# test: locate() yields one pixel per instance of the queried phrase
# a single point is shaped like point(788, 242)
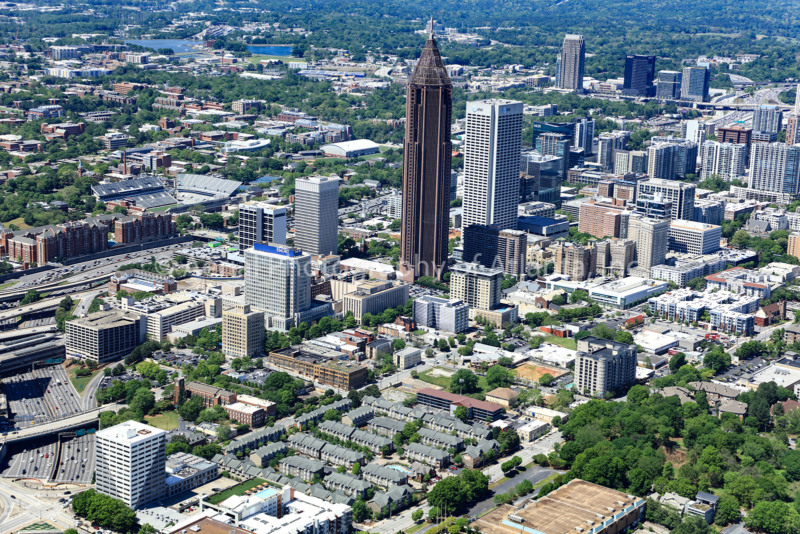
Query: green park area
point(164, 421)
point(80, 382)
point(238, 489)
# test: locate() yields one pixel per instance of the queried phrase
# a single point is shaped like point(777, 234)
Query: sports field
point(535, 372)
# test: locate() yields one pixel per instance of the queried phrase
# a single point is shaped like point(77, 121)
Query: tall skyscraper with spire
point(426, 167)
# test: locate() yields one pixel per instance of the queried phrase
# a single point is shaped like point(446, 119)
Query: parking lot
point(746, 366)
point(40, 396)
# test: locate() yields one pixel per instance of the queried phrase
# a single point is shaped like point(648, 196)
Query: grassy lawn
point(8, 284)
point(164, 421)
point(238, 489)
point(444, 381)
point(416, 527)
point(163, 208)
point(567, 343)
point(80, 381)
point(19, 221)
point(545, 481)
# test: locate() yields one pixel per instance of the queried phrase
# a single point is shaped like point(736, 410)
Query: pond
point(271, 50)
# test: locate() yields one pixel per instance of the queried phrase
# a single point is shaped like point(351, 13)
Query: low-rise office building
point(105, 335)
point(187, 471)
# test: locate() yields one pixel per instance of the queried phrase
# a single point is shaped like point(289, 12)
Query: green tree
point(356, 468)
point(498, 377)
point(677, 361)
point(624, 337)
point(638, 394)
point(416, 515)
point(546, 379)
point(462, 413)
point(469, 384)
point(727, 511)
point(398, 344)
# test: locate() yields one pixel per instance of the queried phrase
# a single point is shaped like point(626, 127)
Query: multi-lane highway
point(40, 396)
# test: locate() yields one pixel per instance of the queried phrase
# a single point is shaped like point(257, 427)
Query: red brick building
point(63, 130)
point(143, 227)
point(771, 313)
point(211, 395)
point(246, 414)
point(43, 244)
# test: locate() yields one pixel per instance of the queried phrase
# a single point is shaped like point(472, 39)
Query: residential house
point(715, 392)
point(304, 468)
point(307, 445)
point(372, 441)
point(427, 455)
point(303, 420)
point(348, 484)
point(475, 455)
point(336, 455)
point(255, 439)
point(383, 476)
point(358, 417)
point(386, 426)
point(389, 502)
point(440, 439)
point(265, 453)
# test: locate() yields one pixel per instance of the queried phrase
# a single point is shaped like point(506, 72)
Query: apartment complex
point(576, 261)
point(775, 167)
point(442, 314)
point(680, 194)
point(260, 222)
point(476, 285)
point(316, 215)
point(105, 335)
point(651, 237)
point(602, 366)
point(491, 163)
point(130, 464)
point(615, 257)
point(767, 119)
point(726, 160)
point(242, 332)
point(496, 247)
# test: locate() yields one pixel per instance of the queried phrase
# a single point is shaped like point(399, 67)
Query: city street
point(399, 522)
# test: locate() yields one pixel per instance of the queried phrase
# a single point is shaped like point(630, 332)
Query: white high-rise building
point(694, 237)
point(634, 161)
point(660, 158)
point(316, 214)
point(607, 145)
point(767, 119)
point(570, 69)
point(694, 131)
point(681, 194)
point(260, 222)
point(584, 135)
point(131, 460)
point(725, 160)
point(651, 237)
point(491, 163)
point(775, 167)
point(277, 281)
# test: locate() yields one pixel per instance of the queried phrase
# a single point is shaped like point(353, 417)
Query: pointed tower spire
point(430, 68)
point(430, 35)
